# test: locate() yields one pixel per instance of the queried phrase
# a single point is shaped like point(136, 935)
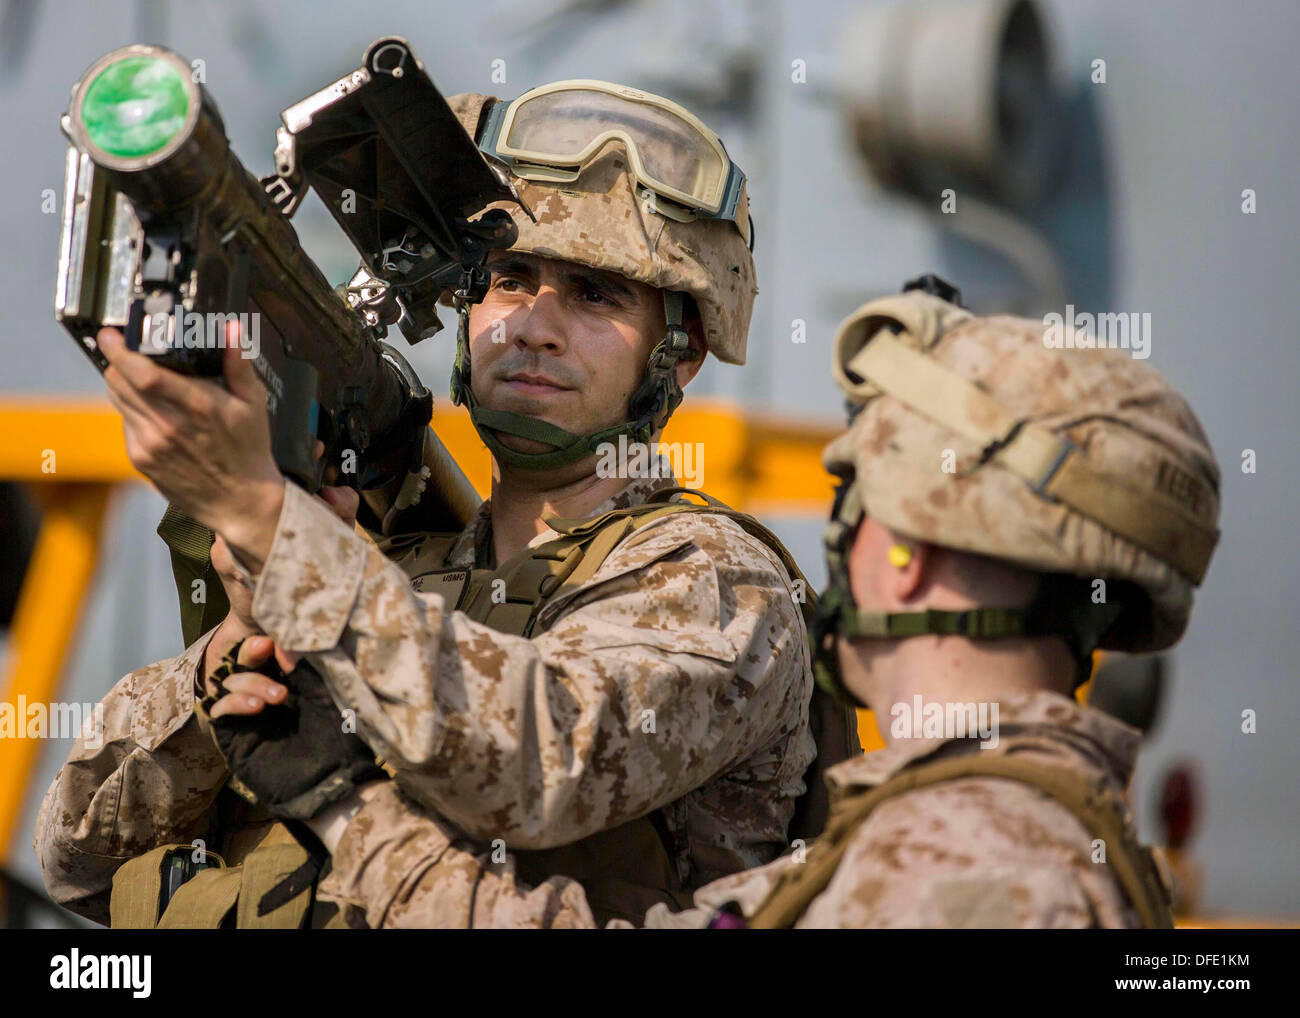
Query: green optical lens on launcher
point(135, 106)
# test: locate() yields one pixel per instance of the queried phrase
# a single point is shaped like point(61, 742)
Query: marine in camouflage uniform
point(538, 742)
point(1067, 467)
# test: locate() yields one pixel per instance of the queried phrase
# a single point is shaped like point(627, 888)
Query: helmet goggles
point(550, 133)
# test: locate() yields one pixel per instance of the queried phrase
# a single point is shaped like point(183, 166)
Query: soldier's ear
point(909, 567)
point(689, 366)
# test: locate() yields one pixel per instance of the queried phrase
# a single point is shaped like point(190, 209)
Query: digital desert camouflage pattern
point(1125, 419)
point(159, 779)
point(530, 742)
point(153, 779)
point(599, 221)
point(398, 867)
point(973, 852)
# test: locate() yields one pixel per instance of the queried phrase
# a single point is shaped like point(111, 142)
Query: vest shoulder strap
point(808, 598)
point(1093, 802)
point(658, 507)
point(537, 576)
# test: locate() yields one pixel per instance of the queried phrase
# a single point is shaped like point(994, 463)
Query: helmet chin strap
point(1062, 607)
point(649, 407)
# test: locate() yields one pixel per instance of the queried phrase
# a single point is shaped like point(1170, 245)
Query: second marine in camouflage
point(1077, 509)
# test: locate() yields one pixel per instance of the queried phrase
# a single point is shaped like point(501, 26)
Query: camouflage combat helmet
point(602, 215)
point(971, 433)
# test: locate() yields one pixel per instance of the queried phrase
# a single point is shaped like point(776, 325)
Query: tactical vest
point(1092, 801)
point(624, 870)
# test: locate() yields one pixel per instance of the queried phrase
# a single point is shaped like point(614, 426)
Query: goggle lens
point(568, 126)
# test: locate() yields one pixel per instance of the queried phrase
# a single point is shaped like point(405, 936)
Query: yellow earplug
point(899, 556)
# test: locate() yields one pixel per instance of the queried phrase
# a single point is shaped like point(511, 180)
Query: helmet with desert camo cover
point(972, 433)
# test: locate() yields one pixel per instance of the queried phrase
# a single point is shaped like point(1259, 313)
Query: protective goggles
point(552, 132)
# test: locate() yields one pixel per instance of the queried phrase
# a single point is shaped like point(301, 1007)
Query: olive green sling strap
point(202, 598)
point(1092, 802)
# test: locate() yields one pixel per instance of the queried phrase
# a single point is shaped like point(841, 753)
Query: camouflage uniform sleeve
point(401, 866)
point(975, 853)
point(683, 655)
point(747, 889)
point(144, 775)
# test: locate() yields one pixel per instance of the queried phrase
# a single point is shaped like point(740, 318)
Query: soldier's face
point(561, 342)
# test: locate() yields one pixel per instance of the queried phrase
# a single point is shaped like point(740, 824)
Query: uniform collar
point(1040, 713)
